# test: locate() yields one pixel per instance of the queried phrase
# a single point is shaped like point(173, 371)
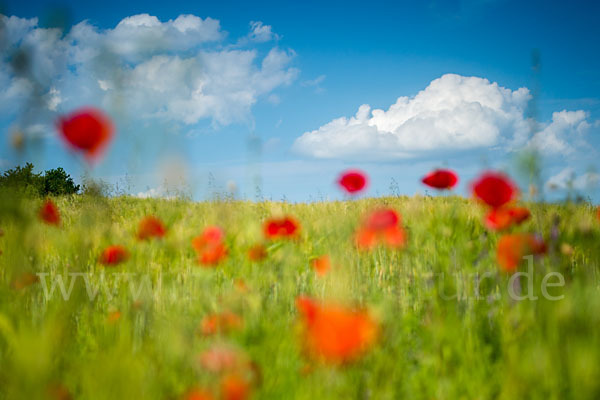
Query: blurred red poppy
point(598, 214)
point(381, 226)
point(235, 387)
point(335, 334)
point(285, 227)
point(58, 391)
point(441, 179)
point(353, 181)
point(504, 217)
point(24, 280)
point(210, 246)
point(87, 130)
point(366, 238)
point(222, 358)
point(114, 255)
point(114, 316)
point(394, 237)
point(151, 227)
point(197, 394)
point(49, 213)
point(220, 323)
point(494, 189)
point(321, 264)
point(382, 219)
point(258, 252)
point(240, 285)
point(512, 248)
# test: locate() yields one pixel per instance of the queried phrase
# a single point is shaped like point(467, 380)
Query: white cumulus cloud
point(452, 113)
point(564, 134)
point(179, 70)
point(567, 178)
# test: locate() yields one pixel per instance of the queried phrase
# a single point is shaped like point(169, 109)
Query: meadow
point(451, 323)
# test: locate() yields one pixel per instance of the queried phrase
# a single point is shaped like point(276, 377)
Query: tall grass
point(440, 339)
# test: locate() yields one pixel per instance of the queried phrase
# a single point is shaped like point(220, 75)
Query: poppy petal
point(87, 130)
point(114, 255)
point(49, 213)
point(441, 179)
point(494, 189)
point(512, 248)
point(353, 181)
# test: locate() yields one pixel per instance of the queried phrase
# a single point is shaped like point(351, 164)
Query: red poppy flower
point(240, 285)
point(197, 394)
point(353, 181)
point(503, 218)
point(220, 323)
point(235, 387)
point(321, 264)
point(335, 334)
point(393, 237)
point(366, 238)
point(512, 248)
point(598, 214)
point(114, 317)
point(285, 227)
point(381, 226)
point(382, 219)
point(58, 391)
point(257, 252)
point(151, 227)
point(441, 179)
point(114, 255)
point(87, 130)
point(494, 189)
point(24, 280)
point(210, 246)
point(49, 213)
point(222, 358)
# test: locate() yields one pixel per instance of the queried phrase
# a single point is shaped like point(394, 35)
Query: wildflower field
point(382, 298)
point(437, 233)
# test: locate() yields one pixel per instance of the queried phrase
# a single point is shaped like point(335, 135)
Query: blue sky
point(278, 77)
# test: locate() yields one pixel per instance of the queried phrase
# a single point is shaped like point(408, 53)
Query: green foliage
point(52, 182)
point(441, 338)
point(58, 182)
point(24, 179)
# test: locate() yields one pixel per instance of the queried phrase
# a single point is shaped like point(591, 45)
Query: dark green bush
point(52, 182)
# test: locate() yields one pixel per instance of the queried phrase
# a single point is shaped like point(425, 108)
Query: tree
point(52, 182)
point(57, 182)
point(23, 178)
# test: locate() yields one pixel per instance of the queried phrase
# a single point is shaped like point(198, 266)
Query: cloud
point(140, 36)
point(564, 134)
point(261, 33)
point(152, 193)
point(567, 179)
point(221, 85)
point(53, 99)
point(144, 33)
point(452, 113)
point(315, 83)
point(178, 71)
